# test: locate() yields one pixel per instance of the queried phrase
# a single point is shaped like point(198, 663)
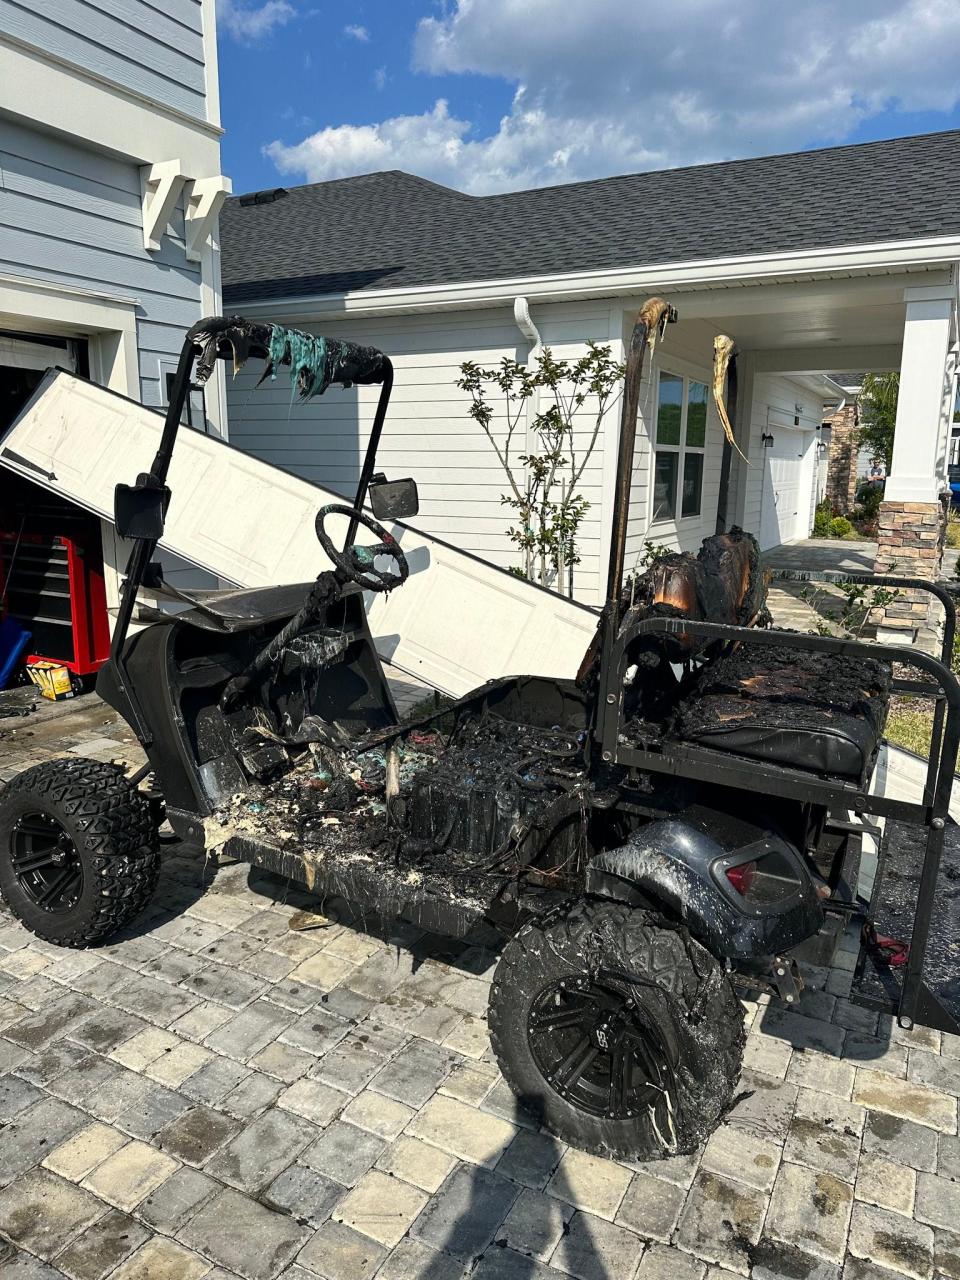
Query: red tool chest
point(51, 577)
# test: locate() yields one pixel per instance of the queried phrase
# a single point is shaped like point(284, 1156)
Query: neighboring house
point(839, 259)
point(110, 191)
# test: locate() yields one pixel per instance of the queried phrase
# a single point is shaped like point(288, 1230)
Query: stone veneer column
point(913, 517)
point(841, 487)
point(911, 538)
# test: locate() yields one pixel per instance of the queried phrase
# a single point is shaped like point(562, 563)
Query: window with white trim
point(680, 438)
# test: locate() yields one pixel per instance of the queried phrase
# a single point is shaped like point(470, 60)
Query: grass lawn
point(910, 728)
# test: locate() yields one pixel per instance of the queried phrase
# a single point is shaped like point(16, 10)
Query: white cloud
point(380, 77)
point(603, 87)
point(248, 22)
point(347, 149)
point(356, 32)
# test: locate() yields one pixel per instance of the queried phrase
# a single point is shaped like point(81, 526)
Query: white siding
point(429, 434)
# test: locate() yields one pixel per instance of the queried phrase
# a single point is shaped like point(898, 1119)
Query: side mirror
point(138, 512)
point(393, 499)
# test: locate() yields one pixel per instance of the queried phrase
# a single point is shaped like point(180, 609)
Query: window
point(195, 405)
point(681, 438)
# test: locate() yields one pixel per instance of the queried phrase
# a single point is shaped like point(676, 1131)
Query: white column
point(946, 416)
point(915, 473)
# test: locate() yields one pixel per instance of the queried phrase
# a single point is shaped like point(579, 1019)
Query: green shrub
point(868, 501)
point(839, 527)
point(953, 530)
point(821, 520)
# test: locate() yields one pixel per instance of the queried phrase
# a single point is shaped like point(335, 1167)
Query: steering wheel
point(356, 563)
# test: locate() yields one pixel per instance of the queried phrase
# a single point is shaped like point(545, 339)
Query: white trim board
point(885, 256)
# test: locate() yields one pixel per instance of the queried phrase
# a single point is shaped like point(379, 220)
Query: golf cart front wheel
point(78, 850)
point(617, 1030)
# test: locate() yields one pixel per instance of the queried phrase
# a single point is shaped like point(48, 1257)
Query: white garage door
point(785, 511)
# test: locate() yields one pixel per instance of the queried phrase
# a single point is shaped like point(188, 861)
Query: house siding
point(153, 50)
point(429, 433)
point(72, 216)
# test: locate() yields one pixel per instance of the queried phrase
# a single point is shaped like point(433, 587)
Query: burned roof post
point(725, 368)
point(655, 315)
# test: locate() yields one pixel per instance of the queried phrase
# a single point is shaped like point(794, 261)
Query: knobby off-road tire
point(99, 841)
point(638, 1008)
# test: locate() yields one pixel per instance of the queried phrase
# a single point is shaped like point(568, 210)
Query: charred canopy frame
point(236, 339)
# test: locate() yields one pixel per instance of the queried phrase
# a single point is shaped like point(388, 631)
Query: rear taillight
point(741, 877)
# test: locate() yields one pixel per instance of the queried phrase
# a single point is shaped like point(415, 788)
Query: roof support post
point(913, 515)
point(917, 468)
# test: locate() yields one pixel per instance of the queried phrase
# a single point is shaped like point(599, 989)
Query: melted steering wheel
point(356, 563)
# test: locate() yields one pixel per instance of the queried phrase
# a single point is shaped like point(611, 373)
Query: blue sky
point(489, 95)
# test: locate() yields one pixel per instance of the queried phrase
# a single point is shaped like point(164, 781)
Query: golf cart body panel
point(180, 664)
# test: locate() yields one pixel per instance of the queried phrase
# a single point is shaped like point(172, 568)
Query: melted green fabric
point(308, 359)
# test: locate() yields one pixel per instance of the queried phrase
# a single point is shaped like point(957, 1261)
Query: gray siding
point(73, 216)
point(153, 50)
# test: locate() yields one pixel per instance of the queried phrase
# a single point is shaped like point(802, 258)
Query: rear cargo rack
point(917, 833)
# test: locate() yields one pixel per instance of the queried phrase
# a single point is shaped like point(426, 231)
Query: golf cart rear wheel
point(617, 1030)
point(78, 850)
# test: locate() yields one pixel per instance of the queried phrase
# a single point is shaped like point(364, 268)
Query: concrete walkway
point(241, 1087)
point(807, 606)
point(822, 555)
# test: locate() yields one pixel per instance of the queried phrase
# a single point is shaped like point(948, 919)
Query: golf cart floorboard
point(449, 899)
point(877, 984)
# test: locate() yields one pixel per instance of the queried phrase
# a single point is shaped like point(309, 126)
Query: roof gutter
point(674, 276)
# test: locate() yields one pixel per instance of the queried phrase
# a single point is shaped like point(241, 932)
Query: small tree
point(878, 415)
point(544, 495)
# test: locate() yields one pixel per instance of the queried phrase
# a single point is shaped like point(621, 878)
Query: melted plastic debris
point(457, 801)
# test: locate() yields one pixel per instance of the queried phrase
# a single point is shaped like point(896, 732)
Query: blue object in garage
point(14, 638)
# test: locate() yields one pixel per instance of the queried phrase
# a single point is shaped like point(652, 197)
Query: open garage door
point(456, 623)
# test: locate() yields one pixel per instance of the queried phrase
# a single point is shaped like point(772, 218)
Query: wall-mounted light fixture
point(766, 440)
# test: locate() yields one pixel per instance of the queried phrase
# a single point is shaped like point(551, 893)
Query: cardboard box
point(51, 679)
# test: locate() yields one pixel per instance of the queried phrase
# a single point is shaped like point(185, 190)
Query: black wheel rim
point(46, 863)
point(596, 1048)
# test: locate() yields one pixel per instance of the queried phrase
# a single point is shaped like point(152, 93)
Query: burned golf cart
point(687, 813)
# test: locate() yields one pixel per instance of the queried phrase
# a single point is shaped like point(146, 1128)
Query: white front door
point(785, 510)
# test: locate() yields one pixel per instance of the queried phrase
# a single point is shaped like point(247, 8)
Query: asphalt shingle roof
point(393, 229)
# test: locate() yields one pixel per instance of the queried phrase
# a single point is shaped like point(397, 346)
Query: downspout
point(521, 315)
point(524, 322)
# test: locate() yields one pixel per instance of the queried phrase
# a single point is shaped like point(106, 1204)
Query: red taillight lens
point(741, 877)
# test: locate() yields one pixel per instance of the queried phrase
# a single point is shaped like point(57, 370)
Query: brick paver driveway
point(241, 1087)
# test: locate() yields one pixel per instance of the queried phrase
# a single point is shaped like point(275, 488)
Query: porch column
point(912, 517)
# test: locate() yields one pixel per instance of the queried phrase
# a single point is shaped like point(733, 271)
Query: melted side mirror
point(139, 512)
point(393, 499)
